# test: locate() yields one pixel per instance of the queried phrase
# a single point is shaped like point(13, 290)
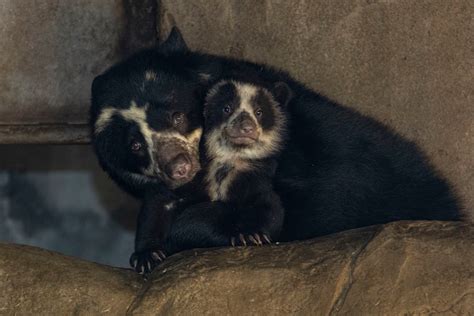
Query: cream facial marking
point(246, 92)
point(138, 115)
point(135, 114)
point(269, 141)
point(227, 161)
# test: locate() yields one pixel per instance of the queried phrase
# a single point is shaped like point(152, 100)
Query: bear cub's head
point(244, 120)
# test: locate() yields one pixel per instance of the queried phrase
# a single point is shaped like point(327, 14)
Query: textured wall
point(51, 51)
point(408, 63)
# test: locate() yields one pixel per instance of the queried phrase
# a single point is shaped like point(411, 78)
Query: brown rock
point(34, 281)
point(404, 268)
point(408, 63)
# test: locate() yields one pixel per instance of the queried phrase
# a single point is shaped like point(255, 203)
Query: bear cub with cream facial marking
point(245, 128)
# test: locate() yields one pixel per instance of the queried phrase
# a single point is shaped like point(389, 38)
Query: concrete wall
point(50, 52)
point(409, 63)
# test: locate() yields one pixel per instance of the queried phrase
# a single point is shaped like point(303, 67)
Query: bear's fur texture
point(338, 170)
point(244, 131)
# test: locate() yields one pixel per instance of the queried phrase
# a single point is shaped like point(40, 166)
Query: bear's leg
point(199, 226)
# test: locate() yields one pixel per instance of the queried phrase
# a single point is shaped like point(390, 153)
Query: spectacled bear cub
point(337, 170)
point(245, 127)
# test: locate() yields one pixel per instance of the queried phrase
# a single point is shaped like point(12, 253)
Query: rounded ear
point(282, 93)
point(174, 43)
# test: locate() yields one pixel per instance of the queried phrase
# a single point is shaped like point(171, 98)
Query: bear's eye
point(136, 146)
point(227, 109)
point(178, 118)
point(259, 112)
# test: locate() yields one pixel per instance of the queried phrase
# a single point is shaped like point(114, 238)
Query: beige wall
point(409, 63)
point(50, 52)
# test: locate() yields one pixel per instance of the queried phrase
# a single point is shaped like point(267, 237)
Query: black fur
point(339, 170)
point(171, 92)
point(235, 174)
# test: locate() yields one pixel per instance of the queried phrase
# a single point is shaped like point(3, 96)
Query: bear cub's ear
point(282, 93)
point(174, 43)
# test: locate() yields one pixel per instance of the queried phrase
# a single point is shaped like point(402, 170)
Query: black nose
point(180, 167)
point(243, 130)
point(247, 126)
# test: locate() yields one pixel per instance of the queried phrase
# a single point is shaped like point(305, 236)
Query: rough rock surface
point(408, 63)
point(405, 268)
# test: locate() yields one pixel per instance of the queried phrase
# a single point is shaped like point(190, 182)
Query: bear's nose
point(247, 126)
point(180, 167)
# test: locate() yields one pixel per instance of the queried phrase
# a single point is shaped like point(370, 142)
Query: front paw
point(145, 261)
point(257, 239)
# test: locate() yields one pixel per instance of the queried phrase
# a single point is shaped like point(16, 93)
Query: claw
point(232, 241)
point(259, 240)
point(134, 263)
point(267, 239)
point(148, 265)
point(163, 255)
point(242, 239)
point(158, 255)
point(142, 270)
point(252, 239)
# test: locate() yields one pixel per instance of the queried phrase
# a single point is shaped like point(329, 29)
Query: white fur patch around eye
point(138, 115)
point(225, 155)
point(133, 114)
point(246, 92)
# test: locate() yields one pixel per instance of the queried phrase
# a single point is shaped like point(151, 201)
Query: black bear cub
point(245, 126)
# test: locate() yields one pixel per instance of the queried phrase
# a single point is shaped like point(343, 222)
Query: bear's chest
point(220, 177)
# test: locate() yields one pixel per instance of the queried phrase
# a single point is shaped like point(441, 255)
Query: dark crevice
point(139, 297)
point(352, 265)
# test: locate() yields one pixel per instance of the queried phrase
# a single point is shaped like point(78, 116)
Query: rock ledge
point(399, 268)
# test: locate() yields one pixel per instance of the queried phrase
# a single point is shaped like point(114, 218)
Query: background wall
point(50, 52)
